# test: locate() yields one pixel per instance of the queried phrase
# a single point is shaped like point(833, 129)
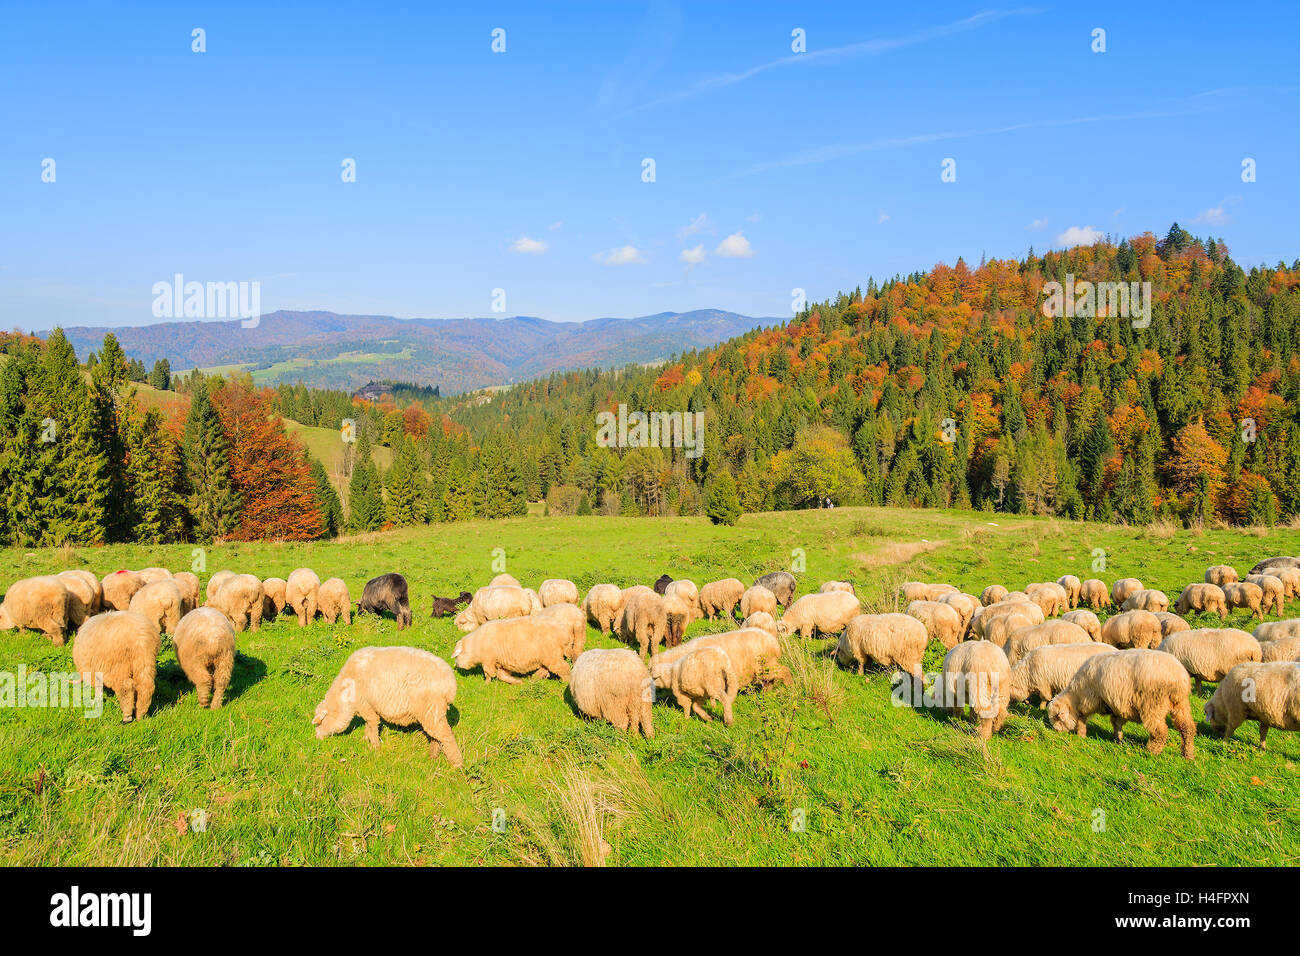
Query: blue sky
point(522, 170)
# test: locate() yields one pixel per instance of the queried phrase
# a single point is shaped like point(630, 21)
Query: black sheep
point(662, 584)
point(387, 592)
point(442, 606)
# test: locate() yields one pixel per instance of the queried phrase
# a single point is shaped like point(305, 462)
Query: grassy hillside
point(877, 784)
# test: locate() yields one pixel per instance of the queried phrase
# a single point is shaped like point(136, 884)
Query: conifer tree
point(365, 494)
point(213, 504)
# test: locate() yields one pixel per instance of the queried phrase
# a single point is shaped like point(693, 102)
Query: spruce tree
point(214, 505)
point(331, 509)
point(724, 502)
point(365, 495)
point(406, 486)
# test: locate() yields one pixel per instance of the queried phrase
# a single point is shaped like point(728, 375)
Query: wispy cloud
point(529, 247)
point(1217, 215)
point(833, 54)
point(622, 256)
point(698, 224)
point(1038, 224)
point(825, 154)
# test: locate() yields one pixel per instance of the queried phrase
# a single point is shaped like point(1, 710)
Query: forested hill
point(1193, 416)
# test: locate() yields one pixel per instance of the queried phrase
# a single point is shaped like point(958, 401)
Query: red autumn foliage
point(269, 469)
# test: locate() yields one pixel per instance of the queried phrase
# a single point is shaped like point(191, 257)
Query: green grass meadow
point(825, 772)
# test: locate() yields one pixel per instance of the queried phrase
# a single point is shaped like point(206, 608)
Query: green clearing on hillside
point(876, 784)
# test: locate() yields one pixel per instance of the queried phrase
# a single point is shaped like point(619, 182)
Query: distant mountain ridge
point(329, 350)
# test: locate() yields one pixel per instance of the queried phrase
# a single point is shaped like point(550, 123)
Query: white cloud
point(1078, 236)
point(753, 217)
point(556, 225)
point(529, 247)
point(1038, 223)
point(735, 246)
point(622, 256)
point(1118, 212)
point(693, 257)
point(698, 224)
point(1217, 215)
point(882, 218)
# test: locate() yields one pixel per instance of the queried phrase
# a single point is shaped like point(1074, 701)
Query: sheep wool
point(398, 685)
point(1208, 653)
point(1267, 693)
point(37, 604)
point(614, 685)
point(119, 650)
point(205, 648)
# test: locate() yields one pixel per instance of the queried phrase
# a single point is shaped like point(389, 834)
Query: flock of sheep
point(1044, 641)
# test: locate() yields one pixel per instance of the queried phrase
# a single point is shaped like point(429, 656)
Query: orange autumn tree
point(268, 468)
point(1198, 463)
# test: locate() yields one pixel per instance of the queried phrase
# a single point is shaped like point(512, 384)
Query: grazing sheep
point(603, 604)
point(1121, 589)
point(387, 593)
point(837, 586)
point(757, 598)
point(1290, 578)
point(1207, 598)
point(188, 582)
point(1148, 599)
point(205, 648)
point(399, 685)
point(688, 592)
point(275, 598)
point(921, 591)
point(754, 653)
point(1274, 591)
point(889, 640)
point(761, 620)
point(1071, 585)
point(516, 646)
point(85, 595)
point(1047, 670)
point(240, 599)
point(1094, 593)
point(643, 621)
point(1247, 595)
point(999, 630)
point(1268, 693)
point(215, 582)
point(661, 583)
point(504, 580)
point(118, 588)
point(719, 598)
point(1221, 574)
point(37, 604)
point(703, 676)
point(495, 603)
point(1139, 685)
point(964, 604)
point(1049, 596)
point(119, 650)
point(780, 583)
point(677, 614)
point(1140, 629)
point(1171, 624)
point(814, 614)
point(335, 602)
point(1210, 652)
point(1275, 630)
point(614, 685)
point(993, 594)
point(1279, 562)
point(570, 617)
point(150, 575)
point(302, 593)
point(942, 621)
point(1282, 649)
point(985, 616)
point(557, 591)
point(1086, 620)
point(982, 670)
point(161, 603)
point(1016, 597)
point(1025, 639)
point(442, 606)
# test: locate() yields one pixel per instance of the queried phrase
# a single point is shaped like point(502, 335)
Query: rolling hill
point(327, 350)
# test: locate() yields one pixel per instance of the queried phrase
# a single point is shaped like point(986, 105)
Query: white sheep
point(205, 649)
point(1208, 653)
point(37, 604)
point(1139, 685)
point(1047, 670)
point(888, 640)
point(1268, 693)
point(702, 676)
point(1086, 620)
point(814, 614)
point(942, 621)
point(1121, 589)
point(1273, 630)
point(399, 685)
point(757, 598)
point(119, 650)
point(557, 591)
point(516, 646)
point(976, 674)
point(614, 685)
point(1025, 639)
point(603, 604)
